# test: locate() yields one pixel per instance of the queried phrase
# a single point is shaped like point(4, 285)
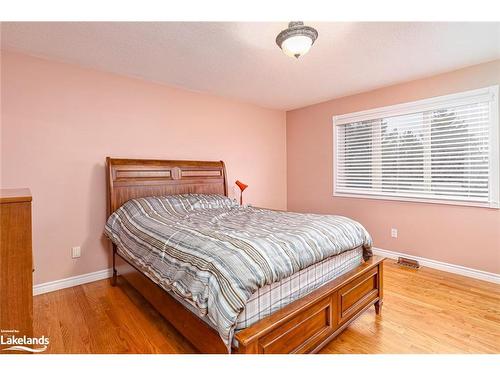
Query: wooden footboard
point(305, 326)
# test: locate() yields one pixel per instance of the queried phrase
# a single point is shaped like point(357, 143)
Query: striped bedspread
point(219, 253)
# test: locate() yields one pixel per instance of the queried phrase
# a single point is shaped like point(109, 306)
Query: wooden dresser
point(16, 264)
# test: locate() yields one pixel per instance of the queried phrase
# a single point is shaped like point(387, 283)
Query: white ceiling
point(241, 60)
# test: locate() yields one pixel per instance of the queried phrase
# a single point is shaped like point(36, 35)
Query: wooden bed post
point(109, 210)
point(115, 274)
point(380, 302)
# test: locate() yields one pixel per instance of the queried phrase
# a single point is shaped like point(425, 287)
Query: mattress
point(271, 298)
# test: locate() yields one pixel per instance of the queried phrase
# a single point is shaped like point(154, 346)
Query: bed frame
point(304, 326)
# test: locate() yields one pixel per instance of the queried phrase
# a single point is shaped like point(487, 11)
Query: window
point(441, 150)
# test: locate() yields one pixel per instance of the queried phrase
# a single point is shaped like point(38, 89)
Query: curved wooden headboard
point(136, 178)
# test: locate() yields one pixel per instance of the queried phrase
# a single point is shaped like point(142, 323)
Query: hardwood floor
point(453, 314)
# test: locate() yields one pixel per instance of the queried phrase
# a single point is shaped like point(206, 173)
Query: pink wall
point(60, 121)
point(455, 234)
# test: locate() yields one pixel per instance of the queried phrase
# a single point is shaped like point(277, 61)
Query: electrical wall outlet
point(394, 233)
point(76, 252)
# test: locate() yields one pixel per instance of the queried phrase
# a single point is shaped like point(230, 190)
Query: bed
point(232, 278)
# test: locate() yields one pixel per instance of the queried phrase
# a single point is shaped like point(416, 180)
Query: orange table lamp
point(242, 187)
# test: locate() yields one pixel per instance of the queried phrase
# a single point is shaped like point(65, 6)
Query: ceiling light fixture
point(297, 39)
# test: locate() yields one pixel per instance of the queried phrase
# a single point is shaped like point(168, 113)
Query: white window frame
point(461, 98)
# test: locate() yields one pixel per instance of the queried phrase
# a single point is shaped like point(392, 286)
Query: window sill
point(418, 200)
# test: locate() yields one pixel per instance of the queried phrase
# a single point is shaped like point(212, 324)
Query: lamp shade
point(297, 39)
point(241, 185)
point(296, 46)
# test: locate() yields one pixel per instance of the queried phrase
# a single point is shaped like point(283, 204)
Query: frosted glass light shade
point(297, 46)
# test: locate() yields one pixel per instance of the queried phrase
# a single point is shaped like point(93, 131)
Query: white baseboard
point(452, 268)
point(72, 281)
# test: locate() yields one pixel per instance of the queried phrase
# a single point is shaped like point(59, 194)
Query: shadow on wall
point(96, 243)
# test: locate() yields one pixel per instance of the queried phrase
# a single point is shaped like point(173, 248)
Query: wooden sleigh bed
point(304, 326)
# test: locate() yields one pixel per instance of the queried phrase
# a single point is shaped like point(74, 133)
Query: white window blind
point(442, 149)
